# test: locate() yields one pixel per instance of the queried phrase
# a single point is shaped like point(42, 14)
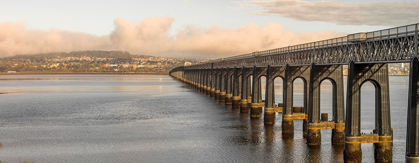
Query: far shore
point(99, 73)
point(81, 73)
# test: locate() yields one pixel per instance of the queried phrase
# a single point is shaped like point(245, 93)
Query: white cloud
point(152, 36)
point(377, 13)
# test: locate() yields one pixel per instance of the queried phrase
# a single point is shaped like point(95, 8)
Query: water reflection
point(270, 146)
point(337, 153)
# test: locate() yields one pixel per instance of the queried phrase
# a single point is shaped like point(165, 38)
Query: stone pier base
point(269, 116)
point(338, 134)
point(314, 137)
point(383, 151)
point(217, 94)
point(208, 91)
point(236, 102)
point(412, 159)
point(203, 89)
point(352, 151)
point(229, 99)
point(222, 96)
point(287, 126)
point(244, 107)
point(212, 94)
point(256, 111)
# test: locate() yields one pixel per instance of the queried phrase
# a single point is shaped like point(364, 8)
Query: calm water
point(152, 118)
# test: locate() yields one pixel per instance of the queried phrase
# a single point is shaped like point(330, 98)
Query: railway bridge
point(237, 81)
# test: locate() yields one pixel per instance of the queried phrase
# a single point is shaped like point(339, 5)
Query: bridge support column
point(256, 110)
point(383, 144)
point(229, 99)
point(213, 80)
point(245, 103)
point(206, 77)
point(287, 125)
point(209, 81)
point(412, 138)
point(352, 151)
point(222, 96)
point(271, 74)
point(222, 85)
point(314, 137)
point(214, 77)
point(256, 107)
point(338, 134)
point(205, 84)
point(217, 84)
point(319, 73)
point(245, 93)
point(229, 95)
point(208, 92)
point(236, 88)
point(244, 106)
point(217, 94)
point(201, 81)
point(292, 73)
point(269, 116)
point(236, 102)
point(203, 89)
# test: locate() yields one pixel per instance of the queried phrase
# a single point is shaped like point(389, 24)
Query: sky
point(196, 28)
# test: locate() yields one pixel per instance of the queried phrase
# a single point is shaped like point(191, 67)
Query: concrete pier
point(338, 134)
point(244, 106)
point(212, 94)
point(291, 74)
point(246, 90)
point(269, 116)
point(222, 96)
point(287, 125)
point(217, 94)
point(412, 136)
point(383, 135)
point(271, 74)
point(229, 99)
point(236, 102)
point(318, 120)
point(256, 110)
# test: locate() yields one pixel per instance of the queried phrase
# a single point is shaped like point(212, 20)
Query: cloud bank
point(152, 36)
point(379, 13)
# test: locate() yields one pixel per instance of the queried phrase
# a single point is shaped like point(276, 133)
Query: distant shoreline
point(101, 73)
point(81, 73)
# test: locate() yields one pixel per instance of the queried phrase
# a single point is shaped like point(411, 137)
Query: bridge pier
point(210, 80)
point(206, 82)
point(382, 136)
point(412, 136)
point(201, 81)
point(217, 84)
point(201, 87)
point(245, 103)
point(213, 80)
point(236, 88)
point(292, 73)
point(256, 107)
point(228, 84)
point(222, 85)
point(318, 74)
point(271, 74)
